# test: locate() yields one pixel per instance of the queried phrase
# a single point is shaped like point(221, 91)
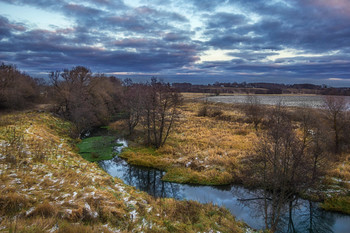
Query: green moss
point(98, 148)
point(337, 204)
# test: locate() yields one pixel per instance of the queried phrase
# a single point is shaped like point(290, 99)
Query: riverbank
point(209, 150)
point(47, 187)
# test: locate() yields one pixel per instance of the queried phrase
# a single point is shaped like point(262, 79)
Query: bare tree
point(279, 165)
point(335, 108)
point(133, 104)
point(71, 89)
point(254, 110)
point(83, 98)
point(314, 140)
point(161, 111)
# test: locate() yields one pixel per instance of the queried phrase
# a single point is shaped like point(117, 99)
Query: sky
point(198, 41)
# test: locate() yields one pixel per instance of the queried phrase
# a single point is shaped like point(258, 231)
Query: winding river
point(297, 216)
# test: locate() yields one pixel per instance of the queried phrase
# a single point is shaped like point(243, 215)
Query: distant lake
point(313, 101)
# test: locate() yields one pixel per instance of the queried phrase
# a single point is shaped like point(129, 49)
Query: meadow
point(201, 149)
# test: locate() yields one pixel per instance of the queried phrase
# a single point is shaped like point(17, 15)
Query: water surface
point(313, 101)
point(300, 216)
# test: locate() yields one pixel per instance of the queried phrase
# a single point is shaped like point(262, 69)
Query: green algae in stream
point(98, 148)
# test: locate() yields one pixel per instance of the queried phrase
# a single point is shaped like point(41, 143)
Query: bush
point(203, 111)
point(217, 113)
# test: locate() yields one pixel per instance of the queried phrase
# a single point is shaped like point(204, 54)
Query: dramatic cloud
point(193, 40)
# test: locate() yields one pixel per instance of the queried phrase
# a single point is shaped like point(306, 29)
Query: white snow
point(133, 215)
point(53, 229)
point(48, 175)
point(30, 211)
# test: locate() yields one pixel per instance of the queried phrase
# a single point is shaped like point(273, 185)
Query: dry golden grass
point(44, 210)
point(28, 225)
point(204, 150)
point(194, 96)
point(45, 186)
point(12, 203)
point(341, 169)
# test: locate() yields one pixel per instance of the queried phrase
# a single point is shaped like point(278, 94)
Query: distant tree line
point(89, 100)
point(261, 88)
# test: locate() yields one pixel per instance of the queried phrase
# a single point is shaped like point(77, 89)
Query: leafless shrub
point(17, 90)
point(203, 111)
point(254, 111)
point(217, 113)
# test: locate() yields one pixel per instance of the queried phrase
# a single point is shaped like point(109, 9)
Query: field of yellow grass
point(45, 186)
point(201, 150)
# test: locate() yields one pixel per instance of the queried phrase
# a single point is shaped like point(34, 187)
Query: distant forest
point(262, 88)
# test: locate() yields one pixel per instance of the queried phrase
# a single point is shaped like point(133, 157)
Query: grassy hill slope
point(45, 186)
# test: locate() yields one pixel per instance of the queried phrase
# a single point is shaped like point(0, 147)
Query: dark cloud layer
point(266, 40)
